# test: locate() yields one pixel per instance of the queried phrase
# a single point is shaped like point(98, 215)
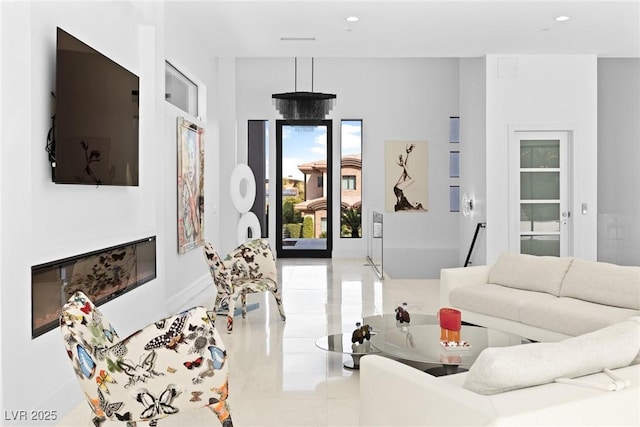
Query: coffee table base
point(443, 370)
point(354, 363)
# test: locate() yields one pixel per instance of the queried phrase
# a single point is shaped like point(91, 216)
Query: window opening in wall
point(349, 182)
point(180, 90)
point(454, 129)
point(454, 164)
point(454, 198)
point(351, 173)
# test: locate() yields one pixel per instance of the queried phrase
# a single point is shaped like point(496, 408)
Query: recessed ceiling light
point(352, 19)
point(562, 18)
point(297, 39)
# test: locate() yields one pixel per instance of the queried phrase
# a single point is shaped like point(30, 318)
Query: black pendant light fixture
point(303, 105)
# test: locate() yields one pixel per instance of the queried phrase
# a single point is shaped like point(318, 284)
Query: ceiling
point(418, 28)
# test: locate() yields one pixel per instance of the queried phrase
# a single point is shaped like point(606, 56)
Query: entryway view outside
point(306, 185)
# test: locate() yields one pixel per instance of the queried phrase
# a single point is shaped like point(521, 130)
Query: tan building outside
point(315, 204)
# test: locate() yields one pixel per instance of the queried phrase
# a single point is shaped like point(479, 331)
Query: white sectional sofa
point(393, 394)
point(584, 312)
point(534, 384)
point(542, 298)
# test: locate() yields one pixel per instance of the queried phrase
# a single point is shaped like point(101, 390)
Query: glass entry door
point(539, 177)
point(303, 188)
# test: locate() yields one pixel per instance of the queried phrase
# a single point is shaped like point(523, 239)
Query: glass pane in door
point(539, 154)
point(539, 185)
point(305, 186)
point(547, 245)
point(540, 216)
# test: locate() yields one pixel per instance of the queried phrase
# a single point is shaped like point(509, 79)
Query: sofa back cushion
point(603, 283)
point(530, 272)
point(500, 369)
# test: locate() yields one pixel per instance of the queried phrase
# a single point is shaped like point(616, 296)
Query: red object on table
point(450, 324)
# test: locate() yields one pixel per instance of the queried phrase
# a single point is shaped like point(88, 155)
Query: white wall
point(187, 274)
point(618, 160)
point(46, 222)
point(230, 154)
point(473, 157)
point(3, 38)
point(547, 92)
point(404, 99)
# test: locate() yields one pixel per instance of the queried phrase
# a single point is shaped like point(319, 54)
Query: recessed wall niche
point(102, 275)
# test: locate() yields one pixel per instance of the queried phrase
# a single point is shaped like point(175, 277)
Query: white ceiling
point(418, 28)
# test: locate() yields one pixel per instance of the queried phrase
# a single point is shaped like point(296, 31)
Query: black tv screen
point(96, 117)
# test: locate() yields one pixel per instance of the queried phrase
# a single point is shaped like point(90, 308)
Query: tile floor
point(277, 375)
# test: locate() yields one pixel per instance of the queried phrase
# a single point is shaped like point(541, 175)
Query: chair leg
point(221, 409)
point(98, 421)
point(278, 298)
point(243, 299)
point(232, 309)
point(216, 305)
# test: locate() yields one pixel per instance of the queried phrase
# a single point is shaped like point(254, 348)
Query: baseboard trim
point(185, 298)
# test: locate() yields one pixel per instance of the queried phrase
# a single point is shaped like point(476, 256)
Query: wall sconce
point(467, 205)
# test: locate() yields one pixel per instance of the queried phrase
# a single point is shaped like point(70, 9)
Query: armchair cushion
point(252, 261)
point(175, 364)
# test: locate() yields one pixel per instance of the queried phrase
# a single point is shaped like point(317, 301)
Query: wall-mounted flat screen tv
point(96, 117)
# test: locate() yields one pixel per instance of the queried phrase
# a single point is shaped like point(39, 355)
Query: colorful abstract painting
point(190, 186)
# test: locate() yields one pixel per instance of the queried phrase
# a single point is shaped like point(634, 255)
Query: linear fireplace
point(102, 275)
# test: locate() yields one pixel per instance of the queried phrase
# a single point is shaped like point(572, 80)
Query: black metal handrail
point(473, 242)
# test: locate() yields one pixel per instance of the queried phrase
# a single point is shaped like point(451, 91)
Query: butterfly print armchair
point(173, 365)
point(249, 268)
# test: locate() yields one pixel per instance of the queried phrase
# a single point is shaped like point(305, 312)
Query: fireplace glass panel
point(102, 275)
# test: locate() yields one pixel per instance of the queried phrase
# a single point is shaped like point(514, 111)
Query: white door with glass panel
point(539, 188)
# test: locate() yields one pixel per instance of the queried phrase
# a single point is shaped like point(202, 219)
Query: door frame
point(304, 253)
point(565, 136)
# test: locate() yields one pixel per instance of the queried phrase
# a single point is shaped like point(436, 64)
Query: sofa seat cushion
point(495, 300)
point(530, 272)
point(500, 369)
point(603, 283)
point(571, 316)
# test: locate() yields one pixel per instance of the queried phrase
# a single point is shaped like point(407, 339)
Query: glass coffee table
point(341, 343)
point(385, 322)
point(421, 343)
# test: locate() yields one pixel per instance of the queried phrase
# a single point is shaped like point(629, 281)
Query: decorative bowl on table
point(455, 345)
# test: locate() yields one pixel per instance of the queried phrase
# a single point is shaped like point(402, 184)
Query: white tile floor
point(277, 375)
